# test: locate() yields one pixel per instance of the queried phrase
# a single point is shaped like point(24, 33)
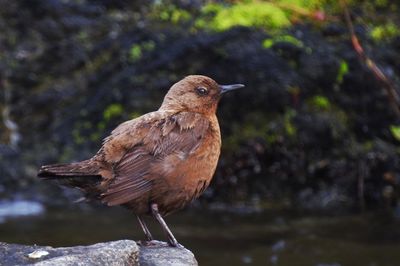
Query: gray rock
point(161, 254)
point(122, 252)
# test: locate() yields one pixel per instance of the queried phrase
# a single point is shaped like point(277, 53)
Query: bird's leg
point(144, 228)
point(171, 239)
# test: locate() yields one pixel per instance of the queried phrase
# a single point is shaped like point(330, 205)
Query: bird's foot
point(152, 243)
point(158, 244)
point(175, 245)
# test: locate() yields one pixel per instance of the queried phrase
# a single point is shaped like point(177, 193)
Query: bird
point(159, 162)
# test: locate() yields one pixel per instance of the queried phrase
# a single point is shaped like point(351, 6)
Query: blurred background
point(309, 171)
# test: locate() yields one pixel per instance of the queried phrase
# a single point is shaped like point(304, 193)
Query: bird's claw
point(158, 244)
point(175, 245)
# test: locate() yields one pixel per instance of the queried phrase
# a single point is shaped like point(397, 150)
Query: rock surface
point(122, 252)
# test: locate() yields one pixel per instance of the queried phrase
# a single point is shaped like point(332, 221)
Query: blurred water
point(221, 238)
point(17, 208)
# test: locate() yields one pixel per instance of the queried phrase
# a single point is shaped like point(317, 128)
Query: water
point(221, 238)
point(19, 208)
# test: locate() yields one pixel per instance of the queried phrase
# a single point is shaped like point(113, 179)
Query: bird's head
point(196, 93)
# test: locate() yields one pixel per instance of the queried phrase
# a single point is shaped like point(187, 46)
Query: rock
point(122, 252)
point(164, 255)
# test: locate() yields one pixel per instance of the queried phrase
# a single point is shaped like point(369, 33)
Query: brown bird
point(157, 163)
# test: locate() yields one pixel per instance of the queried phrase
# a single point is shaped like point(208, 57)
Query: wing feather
point(138, 168)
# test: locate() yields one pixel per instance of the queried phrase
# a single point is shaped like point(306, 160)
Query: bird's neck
point(172, 106)
point(178, 107)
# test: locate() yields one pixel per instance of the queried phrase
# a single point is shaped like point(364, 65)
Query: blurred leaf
point(172, 13)
point(290, 128)
point(383, 32)
point(395, 130)
point(112, 111)
point(343, 70)
point(268, 43)
point(320, 102)
point(137, 50)
point(135, 53)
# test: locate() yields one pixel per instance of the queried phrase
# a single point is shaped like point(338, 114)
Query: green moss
point(248, 14)
point(270, 15)
point(343, 70)
point(320, 102)
point(112, 110)
point(135, 53)
point(171, 13)
point(212, 8)
point(268, 43)
point(395, 130)
point(137, 50)
point(305, 4)
point(384, 32)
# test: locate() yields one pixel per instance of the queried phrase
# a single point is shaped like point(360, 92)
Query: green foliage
point(269, 15)
point(248, 14)
point(268, 43)
point(171, 13)
point(135, 53)
point(384, 32)
point(290, 128)
point(137, 50)
point(306, 4)
point(212, 8)
point(320, 102)
point(343, 70)
point(395, 130)
point(112, 110)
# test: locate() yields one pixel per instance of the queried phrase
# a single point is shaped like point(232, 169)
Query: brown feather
point(84, 168)
point(177, 136)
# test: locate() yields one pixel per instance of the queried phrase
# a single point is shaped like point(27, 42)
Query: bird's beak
point(226, 88)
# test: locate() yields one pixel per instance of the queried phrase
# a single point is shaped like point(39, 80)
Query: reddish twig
point(391, 92)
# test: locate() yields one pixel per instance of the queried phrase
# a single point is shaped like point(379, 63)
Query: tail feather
point(60, 171)
point(85, 168)
point(83, 174)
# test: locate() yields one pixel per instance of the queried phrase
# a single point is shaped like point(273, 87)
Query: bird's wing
point(126, 136)
point(179, 134)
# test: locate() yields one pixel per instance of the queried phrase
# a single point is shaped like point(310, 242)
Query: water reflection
point(218, 238)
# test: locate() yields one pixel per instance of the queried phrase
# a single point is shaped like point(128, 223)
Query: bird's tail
point(81, 174)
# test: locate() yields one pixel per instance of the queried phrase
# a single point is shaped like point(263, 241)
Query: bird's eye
point(201, 91)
